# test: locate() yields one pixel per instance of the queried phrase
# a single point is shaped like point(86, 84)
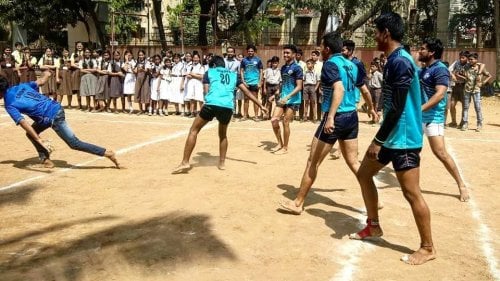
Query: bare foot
point(221, 166)
point(281, 151)
point(464, 194)
point(420, 256)
point(181, 169)
point(111, 156)
point(47, 163)
point(372, 230)
point(291, 207)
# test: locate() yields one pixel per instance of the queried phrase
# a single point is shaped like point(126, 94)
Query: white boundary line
point(118, 152)
point(483, 232)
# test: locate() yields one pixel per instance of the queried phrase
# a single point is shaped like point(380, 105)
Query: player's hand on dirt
point(47, 144)
point(373, 150)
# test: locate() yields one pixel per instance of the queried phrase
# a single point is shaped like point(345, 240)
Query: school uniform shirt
point(18, 56)
point(222, 83)
point(272, 76)
point(376, 80)
point(337, 68)
point(49, 61)
point(311, 77)
point(25, 99)
point(402, 125)
point(290, 73)
point(251, 70)
point(431, 76)
point(233, 65)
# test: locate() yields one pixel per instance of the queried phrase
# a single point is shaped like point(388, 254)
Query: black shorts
point(223, 114)
point(253, 88)
point(402, 159)
point(346, 127)
point(294, 106)
point(457, 92)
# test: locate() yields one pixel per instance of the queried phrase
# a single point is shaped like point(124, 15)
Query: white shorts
point(433, 129)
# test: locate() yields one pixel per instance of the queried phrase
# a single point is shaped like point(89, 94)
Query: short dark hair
point(434, 45)
point(291, 47)
point(393, 23)
point(473, 55)
point(275, 59)
point(464, 53)
point(333, 41)
point(217, 61)
point(316, 52)
point(310, 61)
point(251, 46)
point(18, 44)
point(4, 84)
point(300, 52)
point(349, 45)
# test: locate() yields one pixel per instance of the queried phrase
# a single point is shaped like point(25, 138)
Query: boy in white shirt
point(272, 80)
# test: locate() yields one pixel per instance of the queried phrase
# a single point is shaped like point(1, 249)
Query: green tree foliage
point(477, 14)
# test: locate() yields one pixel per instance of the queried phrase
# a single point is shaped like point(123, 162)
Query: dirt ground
point(85, 220)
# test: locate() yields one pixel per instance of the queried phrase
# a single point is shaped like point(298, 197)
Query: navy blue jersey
point(290, 73)
point(402, 125)
point(430, 77)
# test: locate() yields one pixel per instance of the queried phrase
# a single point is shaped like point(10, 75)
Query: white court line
point(118, 152)
point(351, 250)
point(483, 232)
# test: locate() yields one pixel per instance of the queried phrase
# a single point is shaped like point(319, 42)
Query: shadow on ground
point(314, 197)
point(205, 159)
point(155, 245)
point(18, 195)
point(33, 164)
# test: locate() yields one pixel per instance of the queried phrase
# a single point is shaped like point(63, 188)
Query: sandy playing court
point(85, 220)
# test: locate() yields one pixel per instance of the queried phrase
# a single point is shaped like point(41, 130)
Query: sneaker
point(464, 127)
point(165, 113)
point(452, 124)
point(479, 127)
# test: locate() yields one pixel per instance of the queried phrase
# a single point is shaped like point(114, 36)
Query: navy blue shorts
point(223, 114)
point(402, 159)
point(346, 127)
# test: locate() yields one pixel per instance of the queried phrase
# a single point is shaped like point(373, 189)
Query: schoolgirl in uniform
point(8, 67)
point(116, 81)
point(188, 64)
point(142, 88)
point(102, 87)
point(128, 67)
point(63, 78)
point(195, 86)
point(26, 69)
point(155, 85)
point(165, 86)
point(76, 78)
point(48, 62)
point(88, 67)
point(176, 96)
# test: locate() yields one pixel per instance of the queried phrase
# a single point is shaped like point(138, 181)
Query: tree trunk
point(323, 20)
point(497, 35)
point(205, 6)
point(443, 11)
point(159, 22)
point(99, 29)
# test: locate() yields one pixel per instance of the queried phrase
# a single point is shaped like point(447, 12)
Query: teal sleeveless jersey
point(348, 74)
point(407, 134)
point(222, 83)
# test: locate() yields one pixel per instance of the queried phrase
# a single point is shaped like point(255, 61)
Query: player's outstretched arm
point(43, 79)
point(31, 132)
